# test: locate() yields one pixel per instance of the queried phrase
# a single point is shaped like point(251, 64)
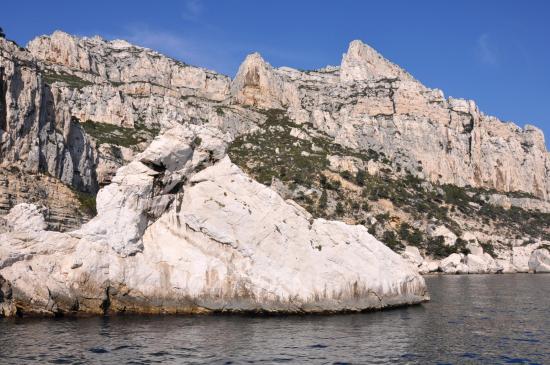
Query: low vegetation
point(120, 136)
point(75, 82)
point(300, 161)
point(87, 203)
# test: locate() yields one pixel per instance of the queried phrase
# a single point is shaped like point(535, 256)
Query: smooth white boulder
point(476, 264)
point(520, 257)
point(448, 236)
point(412, 255)
point(26, 217)
point(539, 261)
point(453, 264)
point(429, 266)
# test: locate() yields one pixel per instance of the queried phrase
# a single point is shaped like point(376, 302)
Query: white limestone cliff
point(369, 102)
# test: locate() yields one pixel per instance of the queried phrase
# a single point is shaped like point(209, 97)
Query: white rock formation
point(523, 203)
point(366, 103)
point(539, 261)
point(428, 266)
point(363, 63)
point(520, 257)
point(412, 255)
point(454, 264)
point(481, 264)
point(182, 229)
point(441, 231)
point(26, 217)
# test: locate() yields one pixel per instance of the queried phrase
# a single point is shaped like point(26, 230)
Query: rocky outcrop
point(532, 258)
point(119, 62)
point(116, 83)
point(362, 63)
point(77, 109)
point(181, 230)
point(66, 208)
point(525, 203)
point(26, 217)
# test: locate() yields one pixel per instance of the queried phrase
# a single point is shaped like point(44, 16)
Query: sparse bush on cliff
point(390, 239)
point(360, 177)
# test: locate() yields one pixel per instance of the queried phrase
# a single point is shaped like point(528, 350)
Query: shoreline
point(441, 273)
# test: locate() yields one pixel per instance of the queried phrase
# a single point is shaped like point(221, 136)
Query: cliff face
point(123, 84)
point(368, 102)
point(363, 143)
point(38, 133)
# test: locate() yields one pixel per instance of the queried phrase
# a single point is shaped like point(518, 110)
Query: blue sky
point(495, 52)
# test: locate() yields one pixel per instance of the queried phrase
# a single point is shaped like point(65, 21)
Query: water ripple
point(495, 319)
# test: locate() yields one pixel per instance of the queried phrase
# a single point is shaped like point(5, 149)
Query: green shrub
point(383, 217)
point(460, 246)
point(390, 239)
point(404, 231)
point(87, 203)
point(416, 238)
point(323, 200)
point(72, 81)
point(339, 208)
point(436, 247)
point(410, 234)
point(488, 248)
point(360, 177)
point(346, 175)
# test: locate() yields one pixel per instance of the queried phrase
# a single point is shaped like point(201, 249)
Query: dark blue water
point(493, 319)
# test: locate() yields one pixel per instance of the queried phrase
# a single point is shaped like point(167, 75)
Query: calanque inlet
point(131, 182)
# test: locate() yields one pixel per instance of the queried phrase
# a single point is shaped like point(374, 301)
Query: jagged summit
point(256, 85)
point(362, 62)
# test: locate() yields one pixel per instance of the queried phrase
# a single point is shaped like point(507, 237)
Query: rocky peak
point(256, 83)
point(61, 48)
point(362, 62)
